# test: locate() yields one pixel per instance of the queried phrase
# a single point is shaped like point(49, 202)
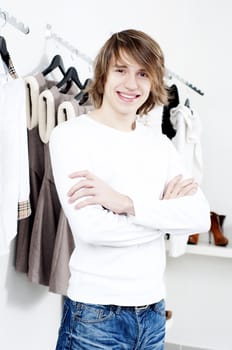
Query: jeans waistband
point(117, 308)
point(135, 308)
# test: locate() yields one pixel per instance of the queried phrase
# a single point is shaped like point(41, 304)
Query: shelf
point(204, 248)
point(209, 250)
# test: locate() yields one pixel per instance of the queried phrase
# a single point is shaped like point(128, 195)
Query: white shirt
point(14, 164)
point(187, 140)
point(120, 259)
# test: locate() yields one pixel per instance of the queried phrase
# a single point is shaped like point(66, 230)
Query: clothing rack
point(14, 22)
point(50, 34)
point(67, 45)
point(171, 74)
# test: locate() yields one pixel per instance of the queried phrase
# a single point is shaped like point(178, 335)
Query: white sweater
point(120, 259)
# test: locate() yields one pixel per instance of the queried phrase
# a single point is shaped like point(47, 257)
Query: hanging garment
point(24, 208)
point(44, 227)
point(48, 207)
point(36, 161)
point(14, 171)
point(6, 59)
point(64, 243)
point(12, 70)
point(49, 100)
point(173, 101)
point(187, 141)
point(34, 86)
point(67, 110)
point(48, 211)
point(188, 128)
point(62, 250)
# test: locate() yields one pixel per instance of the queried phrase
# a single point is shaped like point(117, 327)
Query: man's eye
point(143, 74)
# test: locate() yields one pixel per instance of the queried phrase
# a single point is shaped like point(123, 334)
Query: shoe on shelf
point(193, 239)
point(216, 229)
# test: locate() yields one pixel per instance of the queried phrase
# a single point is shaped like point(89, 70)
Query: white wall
point(29, 315)
point(196, 38)
point(199, 294)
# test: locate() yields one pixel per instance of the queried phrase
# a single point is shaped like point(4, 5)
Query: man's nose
point(131, 81)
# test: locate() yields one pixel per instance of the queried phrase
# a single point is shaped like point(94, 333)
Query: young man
point(122, 188)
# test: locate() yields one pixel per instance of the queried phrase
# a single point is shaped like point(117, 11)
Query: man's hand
point(93, 190)
point(179, 188)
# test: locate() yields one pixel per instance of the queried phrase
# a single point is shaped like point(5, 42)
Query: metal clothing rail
point(66, 44)
point(14, 22)
point(72, 49)
point(171, 74)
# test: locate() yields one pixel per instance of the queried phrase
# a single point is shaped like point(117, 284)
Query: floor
point(169, 346)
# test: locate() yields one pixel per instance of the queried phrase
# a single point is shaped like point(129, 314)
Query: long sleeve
point(176, 216)
point(184, 215)
point(73, 149)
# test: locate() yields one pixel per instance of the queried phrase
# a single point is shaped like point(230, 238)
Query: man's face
point(127, 86)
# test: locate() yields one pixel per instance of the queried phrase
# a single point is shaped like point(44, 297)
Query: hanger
point(3, 47)
point(56, 62)
point(3, 51)
point(187, 103)
point(83, 95)
point(70, 76)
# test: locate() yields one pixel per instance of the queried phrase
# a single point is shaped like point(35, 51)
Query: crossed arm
point(92, 190)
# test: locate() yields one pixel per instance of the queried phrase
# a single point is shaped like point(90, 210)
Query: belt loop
point(118, 309)
point(142, 307)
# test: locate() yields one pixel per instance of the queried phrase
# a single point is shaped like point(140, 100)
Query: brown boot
point(193, 239)
point(216, 229)
point(168, 314)
point(221, 219)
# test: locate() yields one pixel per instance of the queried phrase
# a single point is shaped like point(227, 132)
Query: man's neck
point(120, 122)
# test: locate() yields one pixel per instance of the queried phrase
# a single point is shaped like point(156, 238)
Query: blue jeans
point(110, 327)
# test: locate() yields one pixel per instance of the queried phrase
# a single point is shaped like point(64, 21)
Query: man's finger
point(81, 173)
point(86, 192)
point(85, 202)
point(81, 184)
point(171, 186)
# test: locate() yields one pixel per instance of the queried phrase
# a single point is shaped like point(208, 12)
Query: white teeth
point(126, 96)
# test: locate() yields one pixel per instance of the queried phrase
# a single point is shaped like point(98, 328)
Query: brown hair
point(145, 51)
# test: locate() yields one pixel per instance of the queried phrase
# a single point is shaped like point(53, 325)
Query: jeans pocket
point(90, 313)
point(159, 308)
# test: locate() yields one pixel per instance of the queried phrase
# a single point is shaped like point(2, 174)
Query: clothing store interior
point(47, 52)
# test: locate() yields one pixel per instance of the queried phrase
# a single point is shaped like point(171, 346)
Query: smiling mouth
point(127, 97)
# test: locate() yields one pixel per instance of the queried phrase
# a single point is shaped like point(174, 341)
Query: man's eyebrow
point(120, 65)
point(124, 65)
